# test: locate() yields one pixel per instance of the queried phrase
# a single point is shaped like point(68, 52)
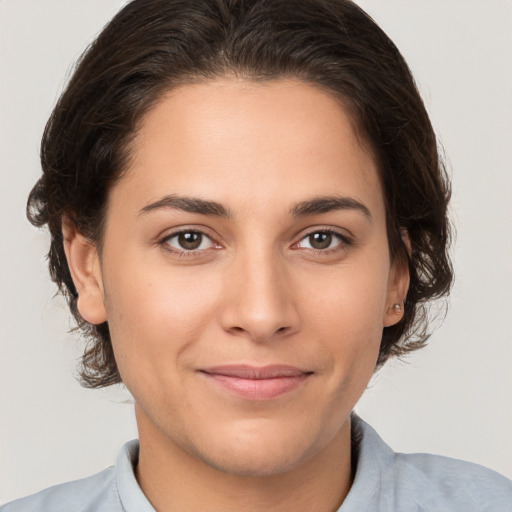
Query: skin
point(259, 290)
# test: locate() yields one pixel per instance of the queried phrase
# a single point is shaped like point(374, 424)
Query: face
point(245, 273)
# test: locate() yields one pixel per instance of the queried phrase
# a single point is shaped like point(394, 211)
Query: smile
point(257, 383)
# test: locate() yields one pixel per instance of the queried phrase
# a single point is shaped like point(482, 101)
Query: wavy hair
point(152, 46)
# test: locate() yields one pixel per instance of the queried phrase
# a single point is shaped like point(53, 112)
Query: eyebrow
point(188, 204)
point(326, 204)
point(314, 206)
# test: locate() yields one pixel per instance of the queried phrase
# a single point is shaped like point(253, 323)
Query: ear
point(84, 266)
point(398, 285)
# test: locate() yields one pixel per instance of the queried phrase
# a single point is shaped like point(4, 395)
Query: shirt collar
point(373, 482)
point(372, 489)
point(131, 495)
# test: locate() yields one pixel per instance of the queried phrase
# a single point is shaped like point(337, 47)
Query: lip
point(257, 383)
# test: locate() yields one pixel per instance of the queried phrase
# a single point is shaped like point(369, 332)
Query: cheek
point(347, 316)
point(352, 298)
point(155, 315)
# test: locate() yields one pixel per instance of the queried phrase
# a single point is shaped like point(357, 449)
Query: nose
point(258, 300)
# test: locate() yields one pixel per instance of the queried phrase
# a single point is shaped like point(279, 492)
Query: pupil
point(320, 240)
point(190, 240)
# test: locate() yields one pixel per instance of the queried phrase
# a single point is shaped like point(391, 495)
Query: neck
point(174, 480)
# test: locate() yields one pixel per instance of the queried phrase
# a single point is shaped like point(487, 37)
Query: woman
point(248, 212)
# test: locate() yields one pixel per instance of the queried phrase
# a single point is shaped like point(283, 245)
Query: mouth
point(257, 383)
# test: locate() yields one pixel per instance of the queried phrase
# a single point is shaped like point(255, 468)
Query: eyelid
point(345, 239)
point(162, 241)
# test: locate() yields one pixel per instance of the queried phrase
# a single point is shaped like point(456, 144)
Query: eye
point(189, 240)
point(322, 240)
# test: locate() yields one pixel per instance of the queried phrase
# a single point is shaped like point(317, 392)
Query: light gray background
point(454, 397)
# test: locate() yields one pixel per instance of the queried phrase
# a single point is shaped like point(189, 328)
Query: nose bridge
point(257, 302)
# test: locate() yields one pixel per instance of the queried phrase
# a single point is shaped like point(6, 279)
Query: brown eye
point(189, 241)
point(321, 240)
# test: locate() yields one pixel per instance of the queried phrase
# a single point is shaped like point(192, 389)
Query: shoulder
point(443, 481)
point(421, 482)
point(96, 493)
point(113, 490)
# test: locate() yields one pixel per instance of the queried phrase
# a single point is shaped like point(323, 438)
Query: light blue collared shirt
point(385, 481)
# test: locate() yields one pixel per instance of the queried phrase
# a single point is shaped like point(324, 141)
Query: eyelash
point(344, 242)
point(184, 253)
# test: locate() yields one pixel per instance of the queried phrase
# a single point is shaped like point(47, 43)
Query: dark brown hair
point(151, 46)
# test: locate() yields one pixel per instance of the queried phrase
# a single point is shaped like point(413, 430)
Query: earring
point(397, 308)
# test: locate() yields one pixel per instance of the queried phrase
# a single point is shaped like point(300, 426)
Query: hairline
point(228, 73)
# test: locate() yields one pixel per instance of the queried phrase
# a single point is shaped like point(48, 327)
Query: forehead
point(230, 140)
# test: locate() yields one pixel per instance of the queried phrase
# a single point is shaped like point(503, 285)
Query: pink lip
point(257, 383)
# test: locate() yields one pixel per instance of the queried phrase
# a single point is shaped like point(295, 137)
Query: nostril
point(236, 330)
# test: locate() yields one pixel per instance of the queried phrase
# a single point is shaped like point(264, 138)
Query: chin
point(260, 451)
point(258, 463)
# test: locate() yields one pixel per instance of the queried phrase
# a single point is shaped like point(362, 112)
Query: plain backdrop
point(453, 398)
